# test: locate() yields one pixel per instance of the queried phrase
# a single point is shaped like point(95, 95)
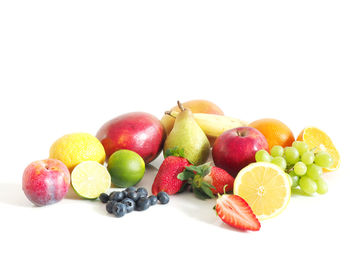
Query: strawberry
point(207, 180)
point(166, 179)
point(235, 211)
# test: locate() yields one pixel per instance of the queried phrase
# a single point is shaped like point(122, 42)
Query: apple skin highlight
point(236, 148)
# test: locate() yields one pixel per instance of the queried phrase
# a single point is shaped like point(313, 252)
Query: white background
point(69, 66)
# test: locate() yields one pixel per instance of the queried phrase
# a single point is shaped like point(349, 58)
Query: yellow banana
point(212, 124)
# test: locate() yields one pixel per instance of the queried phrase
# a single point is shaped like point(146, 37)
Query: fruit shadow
point(71, 194)
point(297, 191)
point(201, 210)
point(12, 194)
point(148, 178)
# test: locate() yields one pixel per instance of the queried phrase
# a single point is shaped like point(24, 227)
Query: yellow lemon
point(74, 148)
point(265, 187)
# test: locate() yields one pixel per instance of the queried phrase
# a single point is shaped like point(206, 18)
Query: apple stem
point(169, 113)
point(181, 107)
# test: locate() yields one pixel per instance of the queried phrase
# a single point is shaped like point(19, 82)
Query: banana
point(212, 124)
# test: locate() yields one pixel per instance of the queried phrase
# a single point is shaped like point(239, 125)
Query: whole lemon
point(74, 148)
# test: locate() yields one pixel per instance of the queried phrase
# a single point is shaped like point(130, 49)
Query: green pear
point(187, 135)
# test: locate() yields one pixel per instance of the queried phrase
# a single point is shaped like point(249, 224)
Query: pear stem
point(181, 107)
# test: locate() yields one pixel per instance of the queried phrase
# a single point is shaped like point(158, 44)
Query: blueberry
point(163, 198)
point(104, 198)
point(133, 196)
point(131, 189)
point(142, 204)
point(117, 196)
point(111, 194)
point(129, 203)
point(142, 192)
point(119, 209)
point(109, 206)
point(153, 199)
point(125, 193)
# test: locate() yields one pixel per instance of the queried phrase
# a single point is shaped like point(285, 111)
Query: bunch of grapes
point(304, 166)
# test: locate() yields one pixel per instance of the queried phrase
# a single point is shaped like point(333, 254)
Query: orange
point(275, 132)
point(320, 141)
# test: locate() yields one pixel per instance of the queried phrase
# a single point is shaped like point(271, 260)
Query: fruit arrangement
point(256, 167)
point(303, 164)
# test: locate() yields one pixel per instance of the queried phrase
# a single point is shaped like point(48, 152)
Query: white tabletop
point(69, 66)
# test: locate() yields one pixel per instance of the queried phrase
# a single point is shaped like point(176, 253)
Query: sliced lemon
point(265, 187)
point(89, 179)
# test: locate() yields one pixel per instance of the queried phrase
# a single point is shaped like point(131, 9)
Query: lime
point(89, 179)
point(126, 168)
point(74, 148)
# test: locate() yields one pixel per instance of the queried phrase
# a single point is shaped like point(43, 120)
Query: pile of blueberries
point(121, 202)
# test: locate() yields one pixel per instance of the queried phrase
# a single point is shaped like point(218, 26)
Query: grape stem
point(290, 169)
point(313, 149)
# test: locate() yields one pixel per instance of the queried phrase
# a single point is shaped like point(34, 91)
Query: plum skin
point(46, 181)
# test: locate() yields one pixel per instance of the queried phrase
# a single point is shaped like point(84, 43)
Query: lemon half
point(265, 187)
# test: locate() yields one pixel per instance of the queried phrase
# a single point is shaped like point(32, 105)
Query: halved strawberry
point(235, 211)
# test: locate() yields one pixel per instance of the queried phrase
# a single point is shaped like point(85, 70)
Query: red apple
point(236, 148)
point(136, 131)
point(45, 182)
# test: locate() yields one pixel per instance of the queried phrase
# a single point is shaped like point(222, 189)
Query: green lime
point(126, 168)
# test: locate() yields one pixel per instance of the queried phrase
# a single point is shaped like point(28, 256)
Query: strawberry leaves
point(185, 175)
point(206, 189)
point(194, 175)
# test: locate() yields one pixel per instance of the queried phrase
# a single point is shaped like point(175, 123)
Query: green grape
point(308, 158)
point(262, 156)
point(323, 159)
point(300, 146)
point(300, 168)
point(308, 185)
point(294, 179)
point(314, 172)
point(322, 186)
point(279, 161)
point(276, 151)
point(291, 154)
